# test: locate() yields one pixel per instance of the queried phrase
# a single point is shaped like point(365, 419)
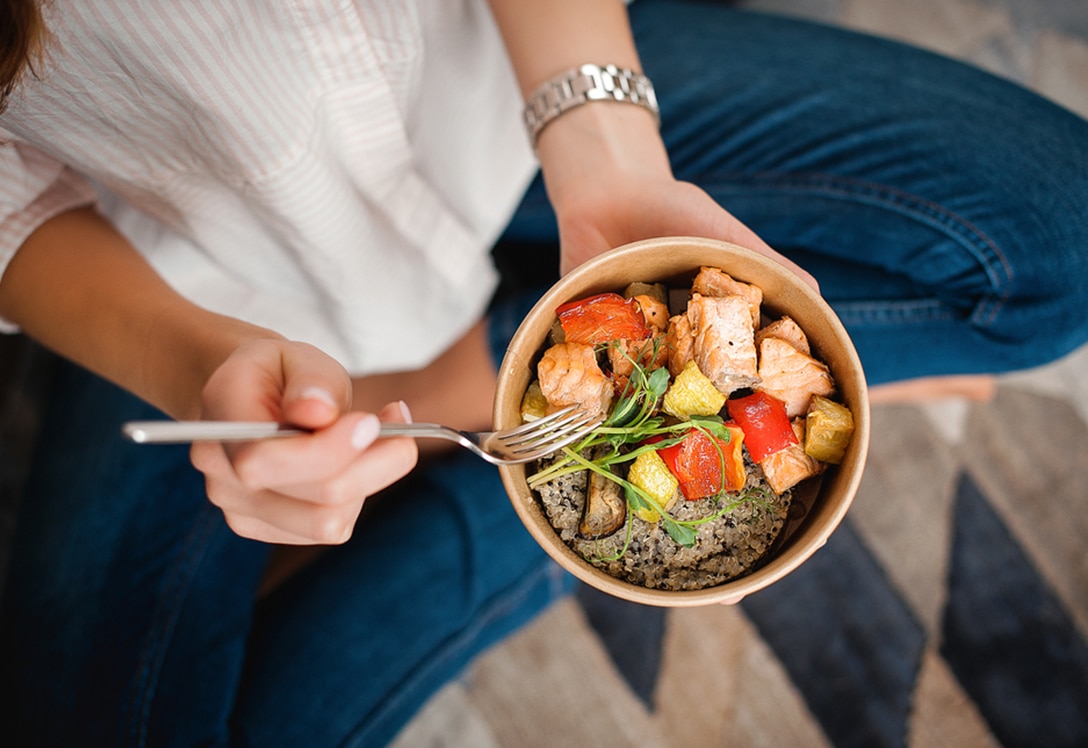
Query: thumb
point(316, 388)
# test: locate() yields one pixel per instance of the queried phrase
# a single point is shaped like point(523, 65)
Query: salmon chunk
point(652, 353)
point(654, 311)
point(792, 376)
point(680, 342)
point(569, 375)
point(724, 346)
point(787, 467)
point(715, 282)
point(785, 329)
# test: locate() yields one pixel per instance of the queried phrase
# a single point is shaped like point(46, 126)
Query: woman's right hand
point(299, 490)
point(124, 322)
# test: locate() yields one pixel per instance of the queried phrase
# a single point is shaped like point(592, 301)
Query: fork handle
point(184, 432)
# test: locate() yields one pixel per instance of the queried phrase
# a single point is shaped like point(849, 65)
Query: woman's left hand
point(609, 179)
point(649, 208)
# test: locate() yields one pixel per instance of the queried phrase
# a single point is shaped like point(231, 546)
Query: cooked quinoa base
point(726, 548)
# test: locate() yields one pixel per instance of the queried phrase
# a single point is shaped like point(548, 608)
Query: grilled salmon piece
point(785, 329)
point(792, 376)
point(569, 375)
point(787, 467)
point(680, 342)
point(654, 311)
point(715, 282)
point(652, 353)
point(724, 347)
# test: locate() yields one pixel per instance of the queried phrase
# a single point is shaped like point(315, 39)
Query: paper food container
point(818, 506)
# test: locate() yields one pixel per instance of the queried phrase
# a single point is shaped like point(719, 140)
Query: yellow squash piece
point(533, 405)
point(828, 428)
point(692, 394)
point(650, 473)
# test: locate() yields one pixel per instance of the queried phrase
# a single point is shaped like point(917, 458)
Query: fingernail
point(366, 431)
point(320, 394)
point(405, 412)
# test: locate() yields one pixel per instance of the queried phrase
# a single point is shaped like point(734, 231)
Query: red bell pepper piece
point(763, 419)
point(697, 463)
point(601, 319)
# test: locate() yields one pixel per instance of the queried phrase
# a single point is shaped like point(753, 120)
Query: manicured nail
point(320, 394)
point(366, 431)
point(405, 412)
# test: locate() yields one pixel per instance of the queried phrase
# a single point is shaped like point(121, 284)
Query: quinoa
point(726, 547)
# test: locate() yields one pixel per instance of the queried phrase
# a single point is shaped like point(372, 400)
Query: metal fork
point(524, 443)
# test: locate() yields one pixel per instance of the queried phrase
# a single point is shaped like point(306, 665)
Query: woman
point(284, 211)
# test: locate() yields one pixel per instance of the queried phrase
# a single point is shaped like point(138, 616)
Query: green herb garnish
point(622, 438)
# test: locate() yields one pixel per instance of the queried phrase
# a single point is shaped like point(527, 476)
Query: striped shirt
point(335, 170)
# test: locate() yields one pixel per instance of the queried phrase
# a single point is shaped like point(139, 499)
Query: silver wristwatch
point(583, 84)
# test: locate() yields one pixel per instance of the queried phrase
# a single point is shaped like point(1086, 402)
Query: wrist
point(186, 346)
point(116, 317)
point(599, 145)
point(584, 84)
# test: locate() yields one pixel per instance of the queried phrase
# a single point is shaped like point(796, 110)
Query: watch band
point(580, 85)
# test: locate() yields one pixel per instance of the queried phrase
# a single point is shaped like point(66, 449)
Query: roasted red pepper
point(697, 463)
point(601, 319)
point(763, 419)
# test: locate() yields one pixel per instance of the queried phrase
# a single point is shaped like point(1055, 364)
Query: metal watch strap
point(581, 85)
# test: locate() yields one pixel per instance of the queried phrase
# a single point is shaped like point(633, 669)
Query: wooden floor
point(950, 487)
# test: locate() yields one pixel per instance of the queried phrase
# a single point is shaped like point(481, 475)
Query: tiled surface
point(951, 488)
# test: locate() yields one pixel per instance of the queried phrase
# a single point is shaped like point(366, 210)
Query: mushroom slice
point(605, 509)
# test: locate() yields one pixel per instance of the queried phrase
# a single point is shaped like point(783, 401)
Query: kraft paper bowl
point(819, 504)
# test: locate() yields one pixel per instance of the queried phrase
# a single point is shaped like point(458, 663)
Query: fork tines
point(555, 430)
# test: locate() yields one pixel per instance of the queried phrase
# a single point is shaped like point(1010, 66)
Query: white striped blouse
point(332, 169)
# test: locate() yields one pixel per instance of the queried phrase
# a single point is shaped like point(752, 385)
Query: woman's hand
point(639, 209)
point(604, 163)
point(610, 181)
point(298, 490)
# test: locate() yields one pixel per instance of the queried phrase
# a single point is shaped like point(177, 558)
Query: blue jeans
point(131, 615)
point(941, 209)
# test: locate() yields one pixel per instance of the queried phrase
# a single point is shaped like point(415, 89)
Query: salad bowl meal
point(736, 421)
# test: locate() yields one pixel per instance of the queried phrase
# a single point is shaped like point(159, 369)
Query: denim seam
point(500, 605)
point(903, 312)
point(164, 622)
point(982, 247)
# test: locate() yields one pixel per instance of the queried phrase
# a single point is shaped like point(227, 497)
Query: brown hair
point(22, 36)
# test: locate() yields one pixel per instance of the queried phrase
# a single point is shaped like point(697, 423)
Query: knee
point(1041, 316)
point(1040, 229)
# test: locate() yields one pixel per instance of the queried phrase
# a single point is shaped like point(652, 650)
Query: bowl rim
point(688, 253)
